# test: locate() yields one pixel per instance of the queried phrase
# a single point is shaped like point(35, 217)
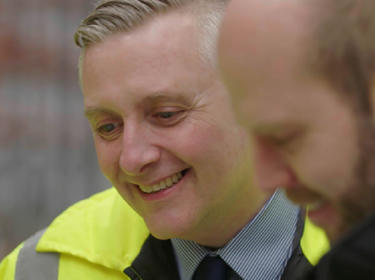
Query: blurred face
point(165, 133)
point(307, 139)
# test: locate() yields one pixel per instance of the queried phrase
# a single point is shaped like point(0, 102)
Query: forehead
point(265, 50)
point(164, 34)
point(159, 57)
point(265, 41)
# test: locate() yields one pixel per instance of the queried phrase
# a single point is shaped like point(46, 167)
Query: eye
point(168, 116)
point(288, 142)
point(109, 131)
point(281, 141)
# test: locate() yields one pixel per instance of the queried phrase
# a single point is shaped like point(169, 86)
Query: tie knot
point(211, 268)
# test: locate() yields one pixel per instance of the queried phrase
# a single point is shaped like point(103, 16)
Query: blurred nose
point(271, 168)
point(137, 151)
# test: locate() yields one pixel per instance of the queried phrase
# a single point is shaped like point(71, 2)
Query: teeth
point(175, 178)
point(170, 181)
point(155, 188)
point(162, 185)
point(144, 189)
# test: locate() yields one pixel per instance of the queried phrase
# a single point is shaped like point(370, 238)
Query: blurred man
point(167, 139)
point(302, 75)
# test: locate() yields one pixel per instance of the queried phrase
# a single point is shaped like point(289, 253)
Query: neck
point(218, 234)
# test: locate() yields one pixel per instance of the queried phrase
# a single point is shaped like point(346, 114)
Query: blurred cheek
point(326, 175)
point(105, 159)
point(242, 112)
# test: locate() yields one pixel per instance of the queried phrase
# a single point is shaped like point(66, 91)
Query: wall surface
point(47, 159)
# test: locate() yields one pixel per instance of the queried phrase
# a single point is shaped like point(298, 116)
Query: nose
point(137, 151)
point(272, 170)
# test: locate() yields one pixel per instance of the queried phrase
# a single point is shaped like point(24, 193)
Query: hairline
point(342, 53)
point(208, 15)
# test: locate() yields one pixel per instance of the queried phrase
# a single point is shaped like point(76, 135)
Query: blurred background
point(47, 159)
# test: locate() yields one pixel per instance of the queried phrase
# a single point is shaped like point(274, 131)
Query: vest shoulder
point(8, 264)
point(100, 209)
point(102, 229)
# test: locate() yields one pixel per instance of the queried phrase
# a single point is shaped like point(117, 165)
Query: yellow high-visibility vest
point(97, 238)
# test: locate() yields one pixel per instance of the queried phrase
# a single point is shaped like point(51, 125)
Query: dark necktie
point(211, 268)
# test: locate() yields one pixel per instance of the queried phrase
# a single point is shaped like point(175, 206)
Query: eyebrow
point(161, 97)
point(91, 112)
point(278, 128)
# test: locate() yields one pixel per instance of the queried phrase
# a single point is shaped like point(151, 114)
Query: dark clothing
point(156, 261)
point(353, 258)
point(98, 237)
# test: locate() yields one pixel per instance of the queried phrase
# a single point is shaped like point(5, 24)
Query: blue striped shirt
point(260, 250)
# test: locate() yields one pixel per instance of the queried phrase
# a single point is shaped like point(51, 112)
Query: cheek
point(327, 164)
point(214, 144)
point(107, 157)
point(195, 148)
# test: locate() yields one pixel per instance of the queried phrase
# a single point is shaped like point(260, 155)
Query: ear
point(271, 168)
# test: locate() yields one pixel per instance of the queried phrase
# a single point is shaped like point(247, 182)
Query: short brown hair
point(113, 16)
point(110, 16)
point(345, 35)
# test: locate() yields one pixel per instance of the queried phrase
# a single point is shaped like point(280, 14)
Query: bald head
point(258, 33)
point(333, 38)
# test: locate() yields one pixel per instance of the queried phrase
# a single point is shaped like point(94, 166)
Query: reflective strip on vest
point(32, 265)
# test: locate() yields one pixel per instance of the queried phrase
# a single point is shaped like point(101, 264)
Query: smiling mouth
point(165, 184)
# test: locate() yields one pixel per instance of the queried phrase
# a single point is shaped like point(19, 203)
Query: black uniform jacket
point(353, 258)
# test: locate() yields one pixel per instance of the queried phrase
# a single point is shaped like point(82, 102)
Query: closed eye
point(165, 115)
point(168, 117)
point(288, 142)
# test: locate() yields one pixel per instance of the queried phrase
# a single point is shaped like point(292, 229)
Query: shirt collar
point(259, 251)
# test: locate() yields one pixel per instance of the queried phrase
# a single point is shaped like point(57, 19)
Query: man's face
point(306, 137)
point(165, 133)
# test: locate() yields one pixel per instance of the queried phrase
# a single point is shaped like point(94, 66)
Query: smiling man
point(302, 74)
point(167, 139)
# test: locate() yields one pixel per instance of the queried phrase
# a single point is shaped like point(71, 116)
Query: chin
point(167, 232)
point(350, 215)
point(333, 234)
point(161, 235)
point(336, 231)
point(167, 228)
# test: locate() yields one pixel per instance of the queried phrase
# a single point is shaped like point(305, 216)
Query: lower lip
point(164, 193)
